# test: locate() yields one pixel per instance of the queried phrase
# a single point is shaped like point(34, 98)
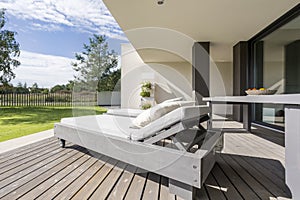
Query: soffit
point(223, 23)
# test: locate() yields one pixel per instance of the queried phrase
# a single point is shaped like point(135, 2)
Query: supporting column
point(240, 76)
point(200, 71)
point(259, 76)
point(292, 149)
point(247, 116)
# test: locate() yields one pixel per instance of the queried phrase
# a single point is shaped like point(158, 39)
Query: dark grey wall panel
point(292, 67)
point(240, 75)
point(200, 71)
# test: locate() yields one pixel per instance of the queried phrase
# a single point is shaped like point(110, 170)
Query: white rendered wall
point(221, 84)
point(173, 79)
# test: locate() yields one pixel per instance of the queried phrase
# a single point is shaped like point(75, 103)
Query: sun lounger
point(186, 158)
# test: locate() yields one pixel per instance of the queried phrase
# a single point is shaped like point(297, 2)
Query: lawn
point(19, 121)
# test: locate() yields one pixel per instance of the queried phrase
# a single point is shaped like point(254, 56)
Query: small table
point(292, 128)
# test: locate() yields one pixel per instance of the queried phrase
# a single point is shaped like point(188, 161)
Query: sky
point(50, 32)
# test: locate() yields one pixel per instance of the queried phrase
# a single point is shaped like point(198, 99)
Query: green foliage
point(145, 94)
point(35, 88)
point(58, 98)
point(146, 106)
point(45, 91)
point(9, 50)
point(20, 89)
point(96, 66)
point(146, 89)
point(58, 88)
point(110, 81)
point(63, 88)
point(19, 121)
point(6, 88)
point(147, 85)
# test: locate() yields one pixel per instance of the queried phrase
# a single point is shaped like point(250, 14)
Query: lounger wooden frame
point(185, 170)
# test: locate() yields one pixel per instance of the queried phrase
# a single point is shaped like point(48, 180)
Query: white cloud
point(46, 27)
point(46, 70)
point(83, 15)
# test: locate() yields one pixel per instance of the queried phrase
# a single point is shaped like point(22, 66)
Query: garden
point(20, 121)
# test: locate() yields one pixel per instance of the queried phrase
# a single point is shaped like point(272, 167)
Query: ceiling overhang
point(166, 33)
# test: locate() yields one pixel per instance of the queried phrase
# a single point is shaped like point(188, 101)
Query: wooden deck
point(250, 167)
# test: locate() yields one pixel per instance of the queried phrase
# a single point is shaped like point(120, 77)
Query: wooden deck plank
point(32, 183)
point(270, 146)
point(75, 186)
point(106, 186)
point(121, 187)
point(20, 167)
point(259, 189)
point(164, 190)
point(39, 164)
point(261, 177)
point(44, 186)
point(249, 168)
point(25, 149)
point(10, 164)
point(273, 151)
point(224, 182)
point(151, 191)
point(95, 181)
point(274, 166)
point(136, 188)
point(45, 166)
point(236, 180)
point(214, 191)
point(268, 168)
point(50, 192)
point(201, 194)
point(237, 144)
point(251, 142)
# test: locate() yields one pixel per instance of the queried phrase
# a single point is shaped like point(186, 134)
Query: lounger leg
point(180, 189)
point(220, 145)
point(62, 143)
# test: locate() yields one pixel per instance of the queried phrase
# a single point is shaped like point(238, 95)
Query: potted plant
point(146, 106)
point(145, 94)
point(146, 89)
point(147, 85)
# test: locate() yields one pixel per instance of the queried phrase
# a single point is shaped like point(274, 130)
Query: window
point(277, 66)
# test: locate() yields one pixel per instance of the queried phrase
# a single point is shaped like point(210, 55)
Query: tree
point(95, 65)
point(35, 88)
point(58, 88)
point(70, 85)
point(6, 88)
point(9, 50)
point(20, 89)
point(109, 81)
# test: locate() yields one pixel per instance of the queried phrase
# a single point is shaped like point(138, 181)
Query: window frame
point(286, 18)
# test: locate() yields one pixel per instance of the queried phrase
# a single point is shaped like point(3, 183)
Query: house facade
point(193, 49)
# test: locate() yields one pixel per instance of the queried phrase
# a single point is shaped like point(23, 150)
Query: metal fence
point(51, 99)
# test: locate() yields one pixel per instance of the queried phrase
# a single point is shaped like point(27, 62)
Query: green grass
point(19, 121)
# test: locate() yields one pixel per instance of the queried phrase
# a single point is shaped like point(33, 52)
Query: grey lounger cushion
point(103, 124)
point(119, 126)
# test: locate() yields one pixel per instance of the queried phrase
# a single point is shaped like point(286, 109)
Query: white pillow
point(172, 100)
point(157, 111)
